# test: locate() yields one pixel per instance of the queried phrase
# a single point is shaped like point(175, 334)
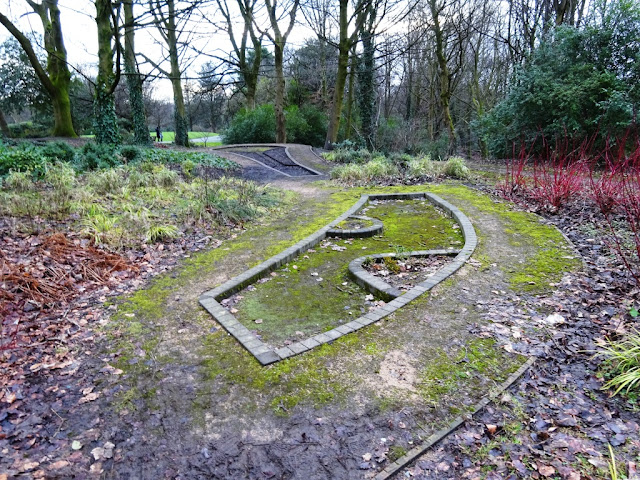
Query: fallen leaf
point(491, 429)
point(89, 398)
point(98, 453)
point(59, 464)
point(546, 470)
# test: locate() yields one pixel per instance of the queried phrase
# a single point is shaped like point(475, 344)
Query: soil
point(78, 415)
point(404, 274)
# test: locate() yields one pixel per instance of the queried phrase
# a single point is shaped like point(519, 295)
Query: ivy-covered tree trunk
point(105, 120)
point(366, 93)
point(134, 80)
point(56, 79)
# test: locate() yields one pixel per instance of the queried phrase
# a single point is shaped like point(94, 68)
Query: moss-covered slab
point(267, 354)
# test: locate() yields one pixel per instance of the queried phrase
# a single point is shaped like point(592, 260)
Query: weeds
point(19, 181)
point(455, 167)
point(361, 168)
point(421, 167)
point(622, 360)
point(161, 233)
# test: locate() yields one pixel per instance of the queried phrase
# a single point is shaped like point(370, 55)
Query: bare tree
point(279, 38)
point(246, 60)
point(170, 22)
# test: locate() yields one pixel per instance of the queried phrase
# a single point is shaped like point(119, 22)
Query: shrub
point(188, 168)
point(96, 155)
point(161, 233)
point(107, 181)
point(349, 173)
point(155, 156)
point(579, 80)
point(61, 176)
point(456, 168)
point(252, 126)
point(379, 169)
point(131, 153)
point(58, 151)
point(23, 158)
point(307, 125)
point(230, 209)
point(623, 362)
point(163, 177)
point(28, 130)
point(437, 149)
point(348, 155)
point(139, 178)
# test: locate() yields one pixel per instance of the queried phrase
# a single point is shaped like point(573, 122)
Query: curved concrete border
point(231, 148)
point(286, 151)
point(376, 227)
point(376, 285)
point(266, 354)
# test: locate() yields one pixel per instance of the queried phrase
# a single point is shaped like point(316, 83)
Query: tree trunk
point(105, 121)
point(445, 84)
point(56, 79)
point(344, 46)
point(281, 131)
point(180, 114)
point(134, 80)
point(367, 93)
point(349, 108)
point(279, 40)
point(4, 128)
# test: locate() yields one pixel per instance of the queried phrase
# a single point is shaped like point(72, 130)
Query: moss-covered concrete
point(314, 293)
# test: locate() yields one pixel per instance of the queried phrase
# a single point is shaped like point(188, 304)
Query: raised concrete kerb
point(266, 354)
point(375, 228)
point(379, 287)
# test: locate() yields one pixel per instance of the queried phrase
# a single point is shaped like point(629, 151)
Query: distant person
point(158, 134)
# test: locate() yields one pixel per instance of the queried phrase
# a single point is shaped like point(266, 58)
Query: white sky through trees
point(81, 38)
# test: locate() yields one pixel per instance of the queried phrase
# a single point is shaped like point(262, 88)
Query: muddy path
point(189, 402)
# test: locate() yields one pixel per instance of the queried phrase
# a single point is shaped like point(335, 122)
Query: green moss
point(477, 360)
point(396, 452)
point(314, 292)
point(315, 378)
point(281, 386)
point(550, 257)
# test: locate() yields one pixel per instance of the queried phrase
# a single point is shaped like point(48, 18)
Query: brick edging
point(266, 354)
